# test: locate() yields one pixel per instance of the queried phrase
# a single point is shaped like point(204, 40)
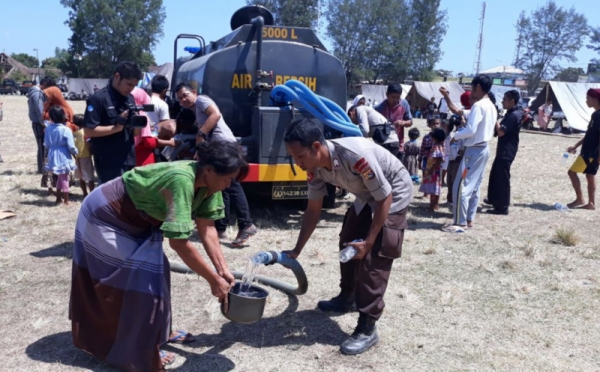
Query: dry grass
point(501, 297)
point(566, 237)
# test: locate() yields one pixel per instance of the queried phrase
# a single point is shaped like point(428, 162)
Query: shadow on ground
point(58, 349)
point(60, 250)
point(537, 206)
point(44, 198)
point(290, 329)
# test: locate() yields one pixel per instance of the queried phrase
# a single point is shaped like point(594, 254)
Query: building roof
point(503, 70)
point(11, 65)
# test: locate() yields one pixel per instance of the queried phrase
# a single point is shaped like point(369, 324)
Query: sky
point(210, 19)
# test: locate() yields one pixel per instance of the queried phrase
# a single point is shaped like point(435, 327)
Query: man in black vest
point(508, 144)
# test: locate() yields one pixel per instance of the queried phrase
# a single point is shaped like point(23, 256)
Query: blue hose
point(320, 107)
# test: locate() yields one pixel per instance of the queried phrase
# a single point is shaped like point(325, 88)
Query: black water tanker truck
point(238, 72)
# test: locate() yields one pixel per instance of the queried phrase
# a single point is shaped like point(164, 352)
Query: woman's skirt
point(120, 304)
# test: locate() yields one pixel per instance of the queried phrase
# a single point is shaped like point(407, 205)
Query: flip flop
point(454, 229)
point(182, 337)
point(163, 354)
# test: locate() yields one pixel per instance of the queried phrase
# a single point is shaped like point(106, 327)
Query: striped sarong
point(120, 304)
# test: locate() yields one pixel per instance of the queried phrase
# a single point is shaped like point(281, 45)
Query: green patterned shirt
point(165, 191)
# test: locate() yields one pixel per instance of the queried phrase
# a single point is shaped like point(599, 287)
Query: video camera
point(133, 119)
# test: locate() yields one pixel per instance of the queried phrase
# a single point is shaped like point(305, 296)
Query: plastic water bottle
point(347, 253)
point(565, 159)
point(561, 207)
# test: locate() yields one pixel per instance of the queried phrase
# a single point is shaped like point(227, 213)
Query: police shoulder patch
point(361, 165)
point(368, 174)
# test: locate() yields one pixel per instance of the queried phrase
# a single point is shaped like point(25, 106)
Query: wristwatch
point(202, 134)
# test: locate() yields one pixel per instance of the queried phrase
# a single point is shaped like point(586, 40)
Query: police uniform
point(113, 154)
point(371, 173)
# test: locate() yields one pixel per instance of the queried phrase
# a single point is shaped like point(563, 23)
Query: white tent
point(570, 99)
point(510, 70)
point(421, 92)
point(77, 85)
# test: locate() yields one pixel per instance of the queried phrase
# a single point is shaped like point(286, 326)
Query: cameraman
point(106, 120)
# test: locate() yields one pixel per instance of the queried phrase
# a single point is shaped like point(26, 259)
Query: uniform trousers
point(368, 278)
point(499, 186)
point(467, 184)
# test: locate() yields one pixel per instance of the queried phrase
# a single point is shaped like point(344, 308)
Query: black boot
point(364, 336)
point(342, 303)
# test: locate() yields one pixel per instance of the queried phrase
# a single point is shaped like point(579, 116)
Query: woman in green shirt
point(120, 304)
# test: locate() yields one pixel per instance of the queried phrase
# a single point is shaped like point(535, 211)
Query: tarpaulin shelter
point(77, 85)
point(165, 70)
point(499, 91)
point(570, 99)
point(421, 92)
point(377, 93)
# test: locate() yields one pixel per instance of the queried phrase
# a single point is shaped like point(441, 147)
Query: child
point(426, 145)
point(432, 180)
point(454, 153)
point(58, 139)
point(411, 151)
point(85, 168)
point(146, 143)
point(446, 127)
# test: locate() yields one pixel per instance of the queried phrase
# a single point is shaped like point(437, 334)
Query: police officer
point(383, 190)
point(106, 123)
point(373, 124)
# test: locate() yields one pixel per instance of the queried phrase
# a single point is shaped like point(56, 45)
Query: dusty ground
point(504, 296)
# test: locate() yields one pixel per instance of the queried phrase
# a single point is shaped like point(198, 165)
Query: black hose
point(299, 289)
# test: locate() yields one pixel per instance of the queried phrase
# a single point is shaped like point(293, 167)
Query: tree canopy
point(26, 59)
point(106, 32)
point(595, 41)
point(569, 74)
point(293, 13)
point(390, 40)
point(549, 35)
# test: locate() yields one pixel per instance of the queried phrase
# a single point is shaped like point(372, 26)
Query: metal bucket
point(245, 310)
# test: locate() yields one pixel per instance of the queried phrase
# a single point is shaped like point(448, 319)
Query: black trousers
point(392, 147)
point(108, 172)
point(38, 132)
point(234, 197)
point(499, 185)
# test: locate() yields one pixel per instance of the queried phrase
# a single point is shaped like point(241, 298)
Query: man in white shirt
point(475, 137)
point(159, 85)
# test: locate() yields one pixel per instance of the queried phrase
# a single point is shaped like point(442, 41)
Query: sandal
point(164, 358)
point(454, 229)
point(181, 337)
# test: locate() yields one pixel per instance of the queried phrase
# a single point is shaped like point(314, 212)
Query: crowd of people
point(120, 305)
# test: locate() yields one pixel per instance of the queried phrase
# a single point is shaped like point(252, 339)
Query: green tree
point(386, 39)
point(594, 40)
point(19, 76)
point(26, 59)
point(550, 34)
point(569, 74)
point(293, 13)
point(106, 32)
point(427, 25)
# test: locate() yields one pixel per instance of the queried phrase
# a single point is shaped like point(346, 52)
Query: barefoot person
point(383, 190)
point(588, 159)
point(120, 305)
